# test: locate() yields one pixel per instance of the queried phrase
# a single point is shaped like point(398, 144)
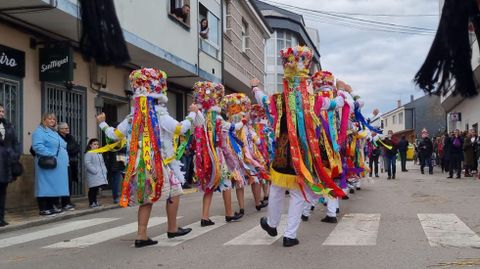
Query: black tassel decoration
point(102, 37)
point(448, 64)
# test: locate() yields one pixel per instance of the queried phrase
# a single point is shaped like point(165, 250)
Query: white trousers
point(275, 207)
point(332, 205)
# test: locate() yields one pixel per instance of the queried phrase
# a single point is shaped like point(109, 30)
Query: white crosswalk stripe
point(197, 231)
point(355, 230)
point(447, 230)
point(105, 235)
point(52, 231)
point(257, 236)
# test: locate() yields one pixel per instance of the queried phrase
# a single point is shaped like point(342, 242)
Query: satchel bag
point(48, 162)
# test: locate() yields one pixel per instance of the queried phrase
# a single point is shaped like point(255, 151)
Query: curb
point(59, 217)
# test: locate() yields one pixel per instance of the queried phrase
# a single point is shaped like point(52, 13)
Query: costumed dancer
point(150, 134)
point(297, 153)
point(215, 166)
point(237, 107)
point(261, 125)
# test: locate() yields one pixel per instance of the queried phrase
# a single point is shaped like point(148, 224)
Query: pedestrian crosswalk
point(441, 230)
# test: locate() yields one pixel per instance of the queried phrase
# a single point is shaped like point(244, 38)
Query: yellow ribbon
point(176, 137)
point(116, 146)
point(385, 145)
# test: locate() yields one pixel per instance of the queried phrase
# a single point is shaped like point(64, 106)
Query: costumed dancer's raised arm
point(170, 124)
point(111, 132)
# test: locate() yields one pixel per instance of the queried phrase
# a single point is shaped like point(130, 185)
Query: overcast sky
point(380, 66)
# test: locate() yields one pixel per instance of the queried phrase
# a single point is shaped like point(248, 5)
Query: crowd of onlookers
point(453, 152)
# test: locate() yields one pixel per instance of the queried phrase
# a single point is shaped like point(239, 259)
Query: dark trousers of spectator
point(46, 203)
point(455, 164)
point(444, 164)
point(427, 161)
point(116, 179)
point(3, 197)
point(403, 160)
point(92, 195)
point(373, 162)
point(391, 165)
point(65, 200)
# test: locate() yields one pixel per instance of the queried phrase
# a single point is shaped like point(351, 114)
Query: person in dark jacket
point(116, 167)
point(425, 148)
point(73, 149)
point(455, 146)
point(9, 155)
point(391, 149)
point(402, 149)
point(468, 154)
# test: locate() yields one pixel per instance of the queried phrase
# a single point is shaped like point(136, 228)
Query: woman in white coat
point(96, 172)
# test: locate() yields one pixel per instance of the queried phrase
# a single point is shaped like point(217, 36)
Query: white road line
point(355, 230)
point(447, 230)
point(105, 235)
point(55, 230)
point(257, 236)
point(197, 231)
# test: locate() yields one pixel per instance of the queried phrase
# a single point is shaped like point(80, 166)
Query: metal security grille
point(69, 105)
point(10, 98)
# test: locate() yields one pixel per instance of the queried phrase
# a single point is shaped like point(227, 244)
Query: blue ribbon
point(331, 115)
point(234, 140)
point(359, 117)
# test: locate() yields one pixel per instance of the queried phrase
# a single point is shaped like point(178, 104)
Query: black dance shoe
point(290, 242)
point(144, 243)
point(206, 222)
point(179, 232)
point(270, 230)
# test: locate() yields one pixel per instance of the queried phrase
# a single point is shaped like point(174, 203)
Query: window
point(273, 61)
point(210, 45)
point(245, 44)
point(10, 98)
point(386, 122)
point(394, 119)
point(400, 118)
point(180, 10)
point(225, 15)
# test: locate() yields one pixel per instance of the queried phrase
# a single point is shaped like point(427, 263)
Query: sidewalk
point(30, 217)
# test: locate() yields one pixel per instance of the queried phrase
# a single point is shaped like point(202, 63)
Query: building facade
point(244, 34)
point(289, 30)
point(50, 29)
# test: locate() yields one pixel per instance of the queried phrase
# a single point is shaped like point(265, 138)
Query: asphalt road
point(393, 235)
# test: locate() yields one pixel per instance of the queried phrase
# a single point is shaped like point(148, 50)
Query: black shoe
point(179, 232)
point(206, 222)
point(358, 188)
point(290, 242)
point(3, 223)
point(304, 218)
point(271, 231)
point(377, 176)
point(449, 177)
point(393, 177)
point(338, 210)
point(235, 217)
point(351, 191)
point(457, 177)
point(329, 219)
point(345, 197)
point(312, 208)
point(262, 205)
point(144, 243)
point(422, 172)
point(46, 212)
point(265, 198)
point(240, 213)
point(405, 170)
point(389, 177)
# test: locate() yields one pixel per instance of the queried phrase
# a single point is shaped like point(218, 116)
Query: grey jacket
point(96, 171)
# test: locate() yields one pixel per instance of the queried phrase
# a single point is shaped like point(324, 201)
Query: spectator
point(373, 152)
point(474, 139)
point(204, 28)
point(96, 172)
point(391, 149)
point(441, 153)
point(51, 183)
point(468, 154)
point(73, 149)
point(9, 155)
point(116, 167)
point(455, 145)
point(182, 13)
point(402, 149)
point(425, 148)
point(446, 151)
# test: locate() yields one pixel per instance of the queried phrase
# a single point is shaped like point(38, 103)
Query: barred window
point(10, 98)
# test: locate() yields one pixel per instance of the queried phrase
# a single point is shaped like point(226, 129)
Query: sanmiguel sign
point(56, 64)
point(12, 61)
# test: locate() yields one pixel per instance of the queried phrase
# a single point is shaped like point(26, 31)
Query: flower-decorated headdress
point(236, 103)
point(323, 80)
point(257, 113)
point(296, 61)
point(149, 82)
point(208, 94)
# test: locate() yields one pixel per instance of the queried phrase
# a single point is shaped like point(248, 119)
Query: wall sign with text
point(56, 64)
point(12, 61)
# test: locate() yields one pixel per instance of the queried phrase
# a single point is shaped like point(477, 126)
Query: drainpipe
point(221, 42)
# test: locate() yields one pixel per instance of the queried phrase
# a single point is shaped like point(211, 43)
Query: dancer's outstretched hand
point(193, 108)
point(101, 117)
